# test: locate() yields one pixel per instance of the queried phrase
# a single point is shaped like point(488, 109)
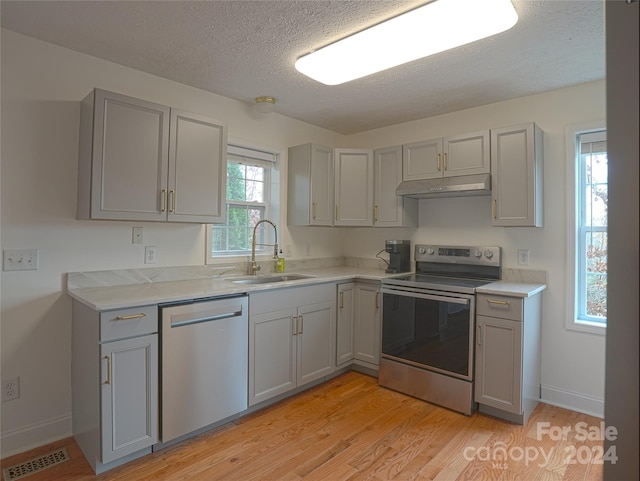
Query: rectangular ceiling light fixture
point(437, 26)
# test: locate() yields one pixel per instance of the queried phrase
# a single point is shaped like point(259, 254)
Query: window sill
point(588, 327)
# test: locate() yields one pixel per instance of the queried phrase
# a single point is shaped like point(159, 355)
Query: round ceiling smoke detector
point(265, 104)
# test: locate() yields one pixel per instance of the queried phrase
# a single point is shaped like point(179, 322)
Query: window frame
point(574, 272)
point(271, 203)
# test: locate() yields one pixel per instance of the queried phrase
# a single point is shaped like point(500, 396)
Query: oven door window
point(430, 331)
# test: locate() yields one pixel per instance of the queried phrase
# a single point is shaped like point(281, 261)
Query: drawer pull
point(132, 316)
point(501, 303)
point(341, 300)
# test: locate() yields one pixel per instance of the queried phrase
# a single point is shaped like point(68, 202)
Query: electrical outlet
point(523, 257)
point(288, 251)
point(11, 389)
point(307, 250)
point(150, 255)
point(136, 235)
point(20, 260)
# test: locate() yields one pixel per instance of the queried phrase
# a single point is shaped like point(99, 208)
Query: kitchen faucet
point(254, 267)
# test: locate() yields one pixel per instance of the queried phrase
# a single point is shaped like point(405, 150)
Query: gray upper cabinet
point(147, 162)
point(353, 187)
point(517, 173)
point(197, 169)
point(310, 185)
point(465, 154)
point(389, 209)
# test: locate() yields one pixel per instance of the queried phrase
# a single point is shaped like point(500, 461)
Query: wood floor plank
point(350, 429)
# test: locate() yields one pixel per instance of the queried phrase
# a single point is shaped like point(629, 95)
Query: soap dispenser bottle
point(280, 262)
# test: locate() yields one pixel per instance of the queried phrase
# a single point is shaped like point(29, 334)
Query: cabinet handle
point(108, 381)
point(341, 300)
point(173, 200)
point(377, 300)
point(337, 211)
point(438, 162)
point(295, 325)
point(375, 213)
point(478, 334)
point(445, 161)
point(494, 208)
point(501, 303)
point(301, 318)
point(132, 316)
point(313, 210)
point(163, 201)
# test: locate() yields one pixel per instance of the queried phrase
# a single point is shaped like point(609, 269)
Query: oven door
point(429, 329)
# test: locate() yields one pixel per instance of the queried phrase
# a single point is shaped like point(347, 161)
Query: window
point(590, 229)
point(249, 194)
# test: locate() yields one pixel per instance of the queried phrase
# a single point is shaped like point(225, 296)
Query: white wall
point(572, 362)
point(42, 86)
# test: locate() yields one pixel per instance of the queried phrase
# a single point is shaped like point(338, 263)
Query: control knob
point(478, 253)
point(488, 254)
point(430, 251)
point(421, 250)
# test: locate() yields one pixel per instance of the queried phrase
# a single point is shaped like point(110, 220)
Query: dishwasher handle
point(189, 319)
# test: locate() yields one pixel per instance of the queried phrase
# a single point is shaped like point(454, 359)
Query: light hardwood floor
point(351, 429)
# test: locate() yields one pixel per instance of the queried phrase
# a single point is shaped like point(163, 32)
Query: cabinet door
point(422, 160)
point(516, 171)
point(367, 315)
point(321, 186)
point(345, 323)
point(129, 383)
point(197, 169)
point(466, 154)
point(272, 354)
point(499, 363)
point(388, 208)
point(130, 158)
point(316, 341)
point(353, 187)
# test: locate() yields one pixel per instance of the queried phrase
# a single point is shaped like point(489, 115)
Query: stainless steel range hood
point(461, 186)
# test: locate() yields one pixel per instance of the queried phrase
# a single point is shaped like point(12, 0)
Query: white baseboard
point(582, 403)
point(22, 439)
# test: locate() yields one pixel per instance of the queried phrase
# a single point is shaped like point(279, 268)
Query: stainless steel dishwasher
point(204, 363)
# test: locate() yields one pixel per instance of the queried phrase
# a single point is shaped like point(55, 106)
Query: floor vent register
point(22, 470)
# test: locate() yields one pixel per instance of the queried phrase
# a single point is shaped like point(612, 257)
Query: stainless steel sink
point(268, 278)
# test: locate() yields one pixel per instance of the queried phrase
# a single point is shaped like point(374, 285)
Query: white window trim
point(571, 319)
point(273, 208)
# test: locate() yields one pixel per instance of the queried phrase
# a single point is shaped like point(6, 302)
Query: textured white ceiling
point(243, 49)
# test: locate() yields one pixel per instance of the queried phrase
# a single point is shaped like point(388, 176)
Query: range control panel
point(473, 255)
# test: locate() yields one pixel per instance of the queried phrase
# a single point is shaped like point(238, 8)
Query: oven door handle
point(432, 297)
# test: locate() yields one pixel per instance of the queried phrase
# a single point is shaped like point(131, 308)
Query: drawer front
point(503, 307)
point(136, 321)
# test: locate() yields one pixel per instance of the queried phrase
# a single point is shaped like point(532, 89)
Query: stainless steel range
point(428, 324)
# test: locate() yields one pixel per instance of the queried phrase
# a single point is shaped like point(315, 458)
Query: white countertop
point(123, 296)
point(156, 289)
point(513, 289)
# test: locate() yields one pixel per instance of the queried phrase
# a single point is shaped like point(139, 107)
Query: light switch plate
point(20, 260)
point(136, 235)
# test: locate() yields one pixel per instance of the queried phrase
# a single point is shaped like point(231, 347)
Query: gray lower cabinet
point(114, 383)
point(292, 339)
point(359, 324)
point(507, 380)
point(345, 335)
